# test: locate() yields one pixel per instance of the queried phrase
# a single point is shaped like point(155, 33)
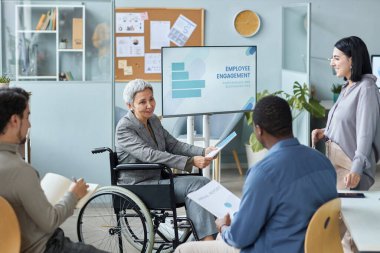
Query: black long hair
point(355, 48)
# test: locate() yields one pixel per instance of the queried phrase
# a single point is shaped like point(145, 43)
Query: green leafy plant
point(256, 146)
point(299, 101)
point(336, 88)
point(4, 79)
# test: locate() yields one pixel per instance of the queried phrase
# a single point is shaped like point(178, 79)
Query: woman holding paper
point(140, 137)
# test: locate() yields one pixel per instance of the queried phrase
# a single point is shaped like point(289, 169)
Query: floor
point(230, 178)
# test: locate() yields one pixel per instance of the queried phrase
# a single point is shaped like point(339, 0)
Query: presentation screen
point(208, 80)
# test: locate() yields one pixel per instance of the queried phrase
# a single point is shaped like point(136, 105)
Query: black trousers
point(58, 243)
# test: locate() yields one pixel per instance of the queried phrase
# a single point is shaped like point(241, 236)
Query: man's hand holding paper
point(216, 199)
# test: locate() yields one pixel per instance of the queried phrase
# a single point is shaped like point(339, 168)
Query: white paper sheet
point(122, 64)
point(55, 186)
point(222, 144)
point(159, 31)
point(181, 30)
point(129, 22)
point(216, 199)
point(152, 63)
point(132, 46)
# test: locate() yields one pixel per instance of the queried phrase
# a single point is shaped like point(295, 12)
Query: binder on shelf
point(77, 33)
point(46, 22)
point(41, 22)
point(69, 76)
point(54, 19)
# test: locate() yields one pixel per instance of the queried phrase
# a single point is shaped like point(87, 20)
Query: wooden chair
point(322, 235)
point(10, 235)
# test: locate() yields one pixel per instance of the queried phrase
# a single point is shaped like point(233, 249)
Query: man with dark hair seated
point(20, 184)
point(280, 194)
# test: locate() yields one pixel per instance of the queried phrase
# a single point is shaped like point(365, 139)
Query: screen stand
point(191, 138)
point(206, 140)
point(190, 130)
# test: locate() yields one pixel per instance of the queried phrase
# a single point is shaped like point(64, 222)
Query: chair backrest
point(119, 113)
point(322, 235)
point(10, 235)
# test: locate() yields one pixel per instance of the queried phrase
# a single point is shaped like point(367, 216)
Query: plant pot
point(4, 85)
point(335, 96)
point(62, 45)
point(254, 157)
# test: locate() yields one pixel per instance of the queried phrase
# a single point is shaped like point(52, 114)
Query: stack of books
point(69, 76)
point(48, 21)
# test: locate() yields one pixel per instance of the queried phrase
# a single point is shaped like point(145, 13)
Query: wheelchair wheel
point(114, 219)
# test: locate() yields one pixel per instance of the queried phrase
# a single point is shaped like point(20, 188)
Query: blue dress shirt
point(280, 195)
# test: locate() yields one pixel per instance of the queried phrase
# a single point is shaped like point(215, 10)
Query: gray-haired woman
point(140, 137)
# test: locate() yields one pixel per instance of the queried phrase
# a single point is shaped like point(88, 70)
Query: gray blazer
point(134, 144)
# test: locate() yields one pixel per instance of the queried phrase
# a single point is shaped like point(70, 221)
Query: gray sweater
point(353, 121)
point(20, 185)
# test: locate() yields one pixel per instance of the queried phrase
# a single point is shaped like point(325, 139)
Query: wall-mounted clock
point(247, 23)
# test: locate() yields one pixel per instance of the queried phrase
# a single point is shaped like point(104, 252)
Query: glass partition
point(57, 40)
point(295, 59)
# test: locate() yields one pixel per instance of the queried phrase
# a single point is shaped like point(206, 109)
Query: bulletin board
point(141, 32)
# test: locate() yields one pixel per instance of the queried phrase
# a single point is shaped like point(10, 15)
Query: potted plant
point(299, 101)
point(254, 149)
point(4, 81)
point(63, 43)
point(336, 88)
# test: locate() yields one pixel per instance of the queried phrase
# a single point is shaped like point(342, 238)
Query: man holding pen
point(20, 184)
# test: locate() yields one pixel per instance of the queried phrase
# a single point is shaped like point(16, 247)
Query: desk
point(362, 219)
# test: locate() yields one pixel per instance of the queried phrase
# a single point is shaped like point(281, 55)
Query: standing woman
point(353, 121)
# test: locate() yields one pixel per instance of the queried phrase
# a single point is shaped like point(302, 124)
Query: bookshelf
point(50, 42)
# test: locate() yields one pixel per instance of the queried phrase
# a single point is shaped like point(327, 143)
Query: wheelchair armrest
point(101, 150)
point(189, 174)
point(144, 166)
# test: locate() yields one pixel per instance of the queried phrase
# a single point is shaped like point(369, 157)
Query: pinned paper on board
point(140, 33)
point(121, 64)
point(144, 15)
point(132, 46)
point(128, 70)
point(152, 63)
point(181, 30)
point(130, 22)
point(159, 31)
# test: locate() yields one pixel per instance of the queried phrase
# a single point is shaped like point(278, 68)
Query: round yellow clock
point(247, 23)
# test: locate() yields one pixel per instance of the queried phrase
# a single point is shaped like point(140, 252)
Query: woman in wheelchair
point(140, 137)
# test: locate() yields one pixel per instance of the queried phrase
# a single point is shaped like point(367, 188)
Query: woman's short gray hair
point(133, 87)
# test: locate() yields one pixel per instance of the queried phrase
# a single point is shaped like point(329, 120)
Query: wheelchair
point(120, 217)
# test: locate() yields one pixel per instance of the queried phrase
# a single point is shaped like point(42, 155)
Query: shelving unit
point(39, 55)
